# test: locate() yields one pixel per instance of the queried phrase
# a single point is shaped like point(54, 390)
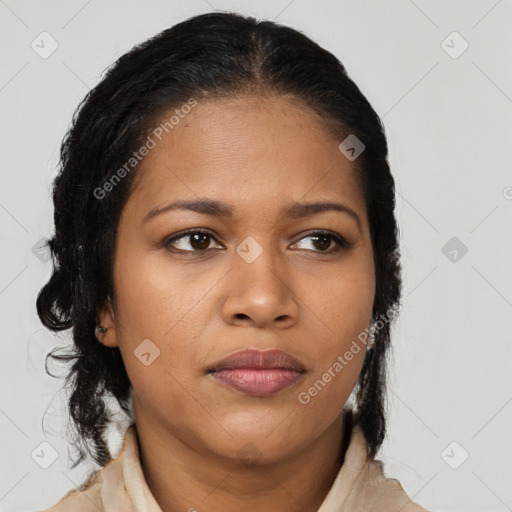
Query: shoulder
point(104, 489)
point(384, 494)
point(372, 491)
point(86, 498)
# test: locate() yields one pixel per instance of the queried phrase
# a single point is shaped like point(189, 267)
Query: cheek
point(156, 298)
point(323, 397)
point(343, 302)
point(340, 347)
point(168, 307)
point(343, 314)
point(159, 310)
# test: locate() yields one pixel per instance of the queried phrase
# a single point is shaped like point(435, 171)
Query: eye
point(198, 240)
point(325, 242)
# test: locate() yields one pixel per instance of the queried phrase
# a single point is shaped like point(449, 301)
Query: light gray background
point(449, 129)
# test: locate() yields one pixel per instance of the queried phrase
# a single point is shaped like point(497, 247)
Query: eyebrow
point(219, 209)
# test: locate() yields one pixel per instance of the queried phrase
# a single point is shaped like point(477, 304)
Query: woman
point(226, 255)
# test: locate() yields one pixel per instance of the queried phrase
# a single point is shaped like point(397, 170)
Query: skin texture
point(257, 155)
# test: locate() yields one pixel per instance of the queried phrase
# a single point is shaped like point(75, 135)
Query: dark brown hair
point(205, 57)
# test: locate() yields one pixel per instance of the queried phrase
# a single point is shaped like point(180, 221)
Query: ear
point(106, 329)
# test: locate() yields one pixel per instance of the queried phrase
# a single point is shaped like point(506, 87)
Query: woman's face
point(262, 278)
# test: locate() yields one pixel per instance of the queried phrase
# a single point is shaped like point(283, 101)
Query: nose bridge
point(259, 289)
point(260, 261)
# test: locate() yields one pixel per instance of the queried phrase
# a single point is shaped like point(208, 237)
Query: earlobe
point(105, 331)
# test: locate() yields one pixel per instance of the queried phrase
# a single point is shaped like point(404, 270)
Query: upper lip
point(267, 359)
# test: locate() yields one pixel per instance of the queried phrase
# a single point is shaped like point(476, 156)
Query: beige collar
point(360, 485)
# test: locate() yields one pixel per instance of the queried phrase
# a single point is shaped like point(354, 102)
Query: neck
point(183, 479)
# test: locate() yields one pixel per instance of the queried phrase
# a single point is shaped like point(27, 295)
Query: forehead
point(251, 151)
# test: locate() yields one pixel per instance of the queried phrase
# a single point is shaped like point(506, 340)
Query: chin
point(263, 442)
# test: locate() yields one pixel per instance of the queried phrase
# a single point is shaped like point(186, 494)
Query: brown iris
point(321, 242)
point(200, 241)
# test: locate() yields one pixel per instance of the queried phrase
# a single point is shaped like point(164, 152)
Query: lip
point(258, 373)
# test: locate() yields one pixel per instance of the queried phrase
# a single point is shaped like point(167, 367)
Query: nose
point(260, 293)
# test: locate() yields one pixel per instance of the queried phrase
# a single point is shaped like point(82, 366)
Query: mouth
point(258, 373)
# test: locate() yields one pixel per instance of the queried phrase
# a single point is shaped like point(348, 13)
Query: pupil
point(202, 239)
point(323, 238)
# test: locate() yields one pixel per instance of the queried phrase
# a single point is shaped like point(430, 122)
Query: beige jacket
point(120, 486)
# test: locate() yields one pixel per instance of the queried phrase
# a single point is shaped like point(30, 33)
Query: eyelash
point(338, 239)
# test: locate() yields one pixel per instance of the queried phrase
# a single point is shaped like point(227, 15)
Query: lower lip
point(257, 382)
